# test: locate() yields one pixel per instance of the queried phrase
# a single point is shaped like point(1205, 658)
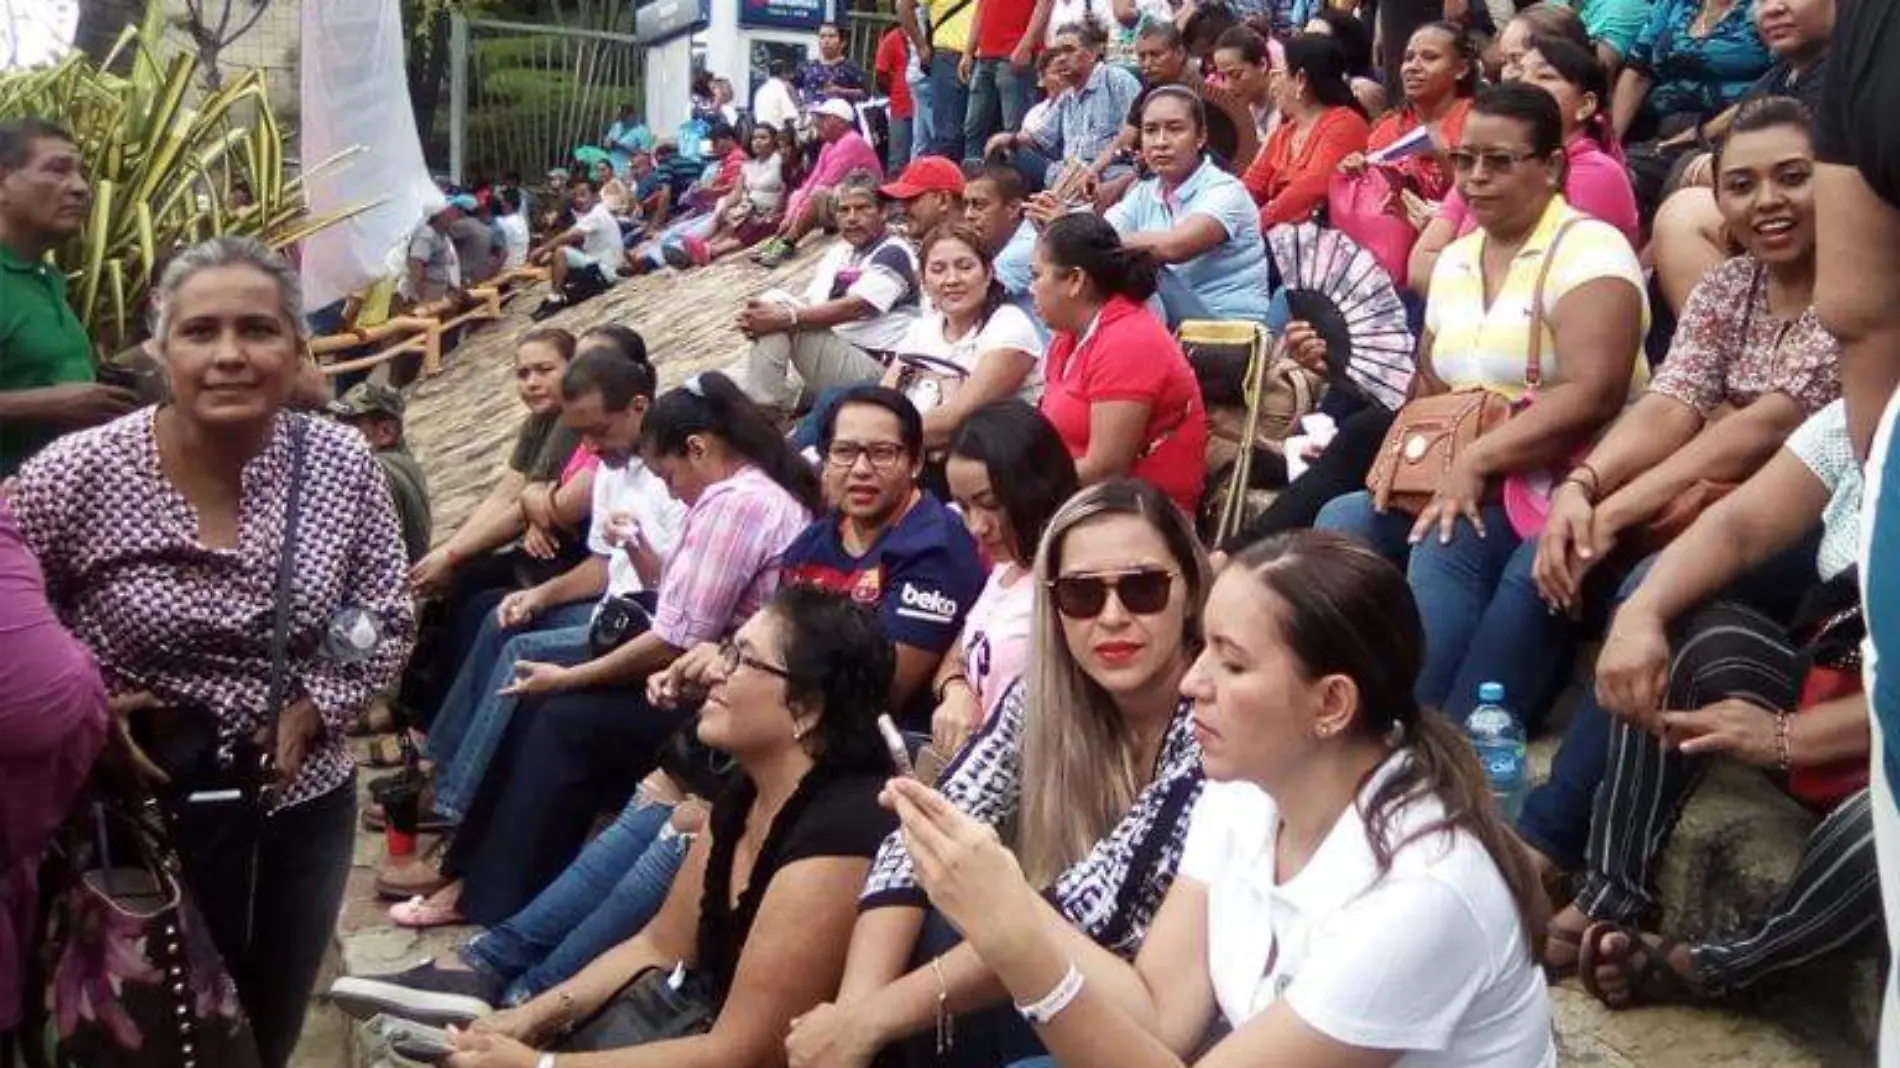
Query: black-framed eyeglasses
point(1494, 162)
point(731, 656)
point(1143, 591)
point(883, 455)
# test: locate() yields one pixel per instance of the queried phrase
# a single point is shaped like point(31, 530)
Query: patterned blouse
point(1692, 75)
point(1111, 894)
point(192, 625)
point(1730, 349)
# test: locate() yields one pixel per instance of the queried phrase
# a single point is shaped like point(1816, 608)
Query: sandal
point(420, 914)
point(1645, 968)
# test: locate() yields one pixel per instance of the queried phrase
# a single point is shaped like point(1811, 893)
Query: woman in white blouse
point(973, 347)
point(1348, 896)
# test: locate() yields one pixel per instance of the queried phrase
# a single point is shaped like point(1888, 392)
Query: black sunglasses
point(1143, 591)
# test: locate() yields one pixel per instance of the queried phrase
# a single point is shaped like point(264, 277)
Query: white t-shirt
point(1821, 442)
point(764, 181)
point(633, 490)
point(996, 636)
point(1429, 958)
point(600, 238)
point(774, 104)
point(514, 232)
point(883, 276)
point(1008, 328)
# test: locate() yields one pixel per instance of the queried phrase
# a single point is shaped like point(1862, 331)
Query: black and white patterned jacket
point(1113, 892)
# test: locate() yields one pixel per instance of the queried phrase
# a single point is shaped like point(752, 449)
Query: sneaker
point(777, 253)
point(549, 307)
point(425, 994)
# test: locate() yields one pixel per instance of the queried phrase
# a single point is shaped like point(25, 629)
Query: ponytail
point(1087, 243)
point(711, 403)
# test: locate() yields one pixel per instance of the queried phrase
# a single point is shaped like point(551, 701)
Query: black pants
point(303, 861)
point(1728, 651)
point(565, 760)
point(1339, 470)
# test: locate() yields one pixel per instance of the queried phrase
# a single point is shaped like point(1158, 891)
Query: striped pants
point(1727, 651)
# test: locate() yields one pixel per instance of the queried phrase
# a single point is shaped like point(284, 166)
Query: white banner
point(355, 92)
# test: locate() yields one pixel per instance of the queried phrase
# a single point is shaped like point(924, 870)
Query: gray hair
point(229, 252)
point(860, 181)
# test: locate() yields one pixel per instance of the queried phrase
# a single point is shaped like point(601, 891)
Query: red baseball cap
point(926, 174)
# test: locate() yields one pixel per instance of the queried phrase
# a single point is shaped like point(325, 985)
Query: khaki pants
point(824, 360)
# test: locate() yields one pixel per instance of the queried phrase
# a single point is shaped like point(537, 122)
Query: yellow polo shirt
point(1473, 345)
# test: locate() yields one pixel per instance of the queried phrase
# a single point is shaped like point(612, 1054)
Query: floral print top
point(191, 624)
point(1693, 75)
point(1730, 349)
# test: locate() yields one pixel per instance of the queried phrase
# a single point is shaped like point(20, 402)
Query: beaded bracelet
point(1781, 740)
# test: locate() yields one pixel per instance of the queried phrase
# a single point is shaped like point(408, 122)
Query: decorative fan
point(1350, 300)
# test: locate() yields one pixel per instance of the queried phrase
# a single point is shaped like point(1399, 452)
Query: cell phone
point(894, 741)
point(418, 1042)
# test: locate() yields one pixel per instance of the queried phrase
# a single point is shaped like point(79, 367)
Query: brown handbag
point(1429, 433)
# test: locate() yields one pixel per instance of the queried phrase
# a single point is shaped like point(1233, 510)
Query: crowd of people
point(887, 699)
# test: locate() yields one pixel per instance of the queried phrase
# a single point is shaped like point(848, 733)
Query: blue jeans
point(897, 152)
point(923, 125)
point(1454, 584)
point(949, 101)
point(611, 891)
point(1556, 816)
point(475, 715)
point(999, 97)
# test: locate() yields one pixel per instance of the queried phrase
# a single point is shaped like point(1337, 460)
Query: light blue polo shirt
point(1230, 278)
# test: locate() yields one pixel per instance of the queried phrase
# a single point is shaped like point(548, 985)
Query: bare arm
point(1115, 440)
point(582, 582)
point(915, 668)
point(1627, 99)
point(1185, 240)
point(1768, 513)
point(495, 521)
point(1857, 292)
point(644, 655)
point(573, 501)
point(999, 373)
point(791, 962)
point(1729, 450)
point(1431, 242)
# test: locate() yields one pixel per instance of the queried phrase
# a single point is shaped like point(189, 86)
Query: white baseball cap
point(837, 109)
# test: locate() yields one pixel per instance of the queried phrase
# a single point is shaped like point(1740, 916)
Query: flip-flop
point(1645, 969)
point(419, 914)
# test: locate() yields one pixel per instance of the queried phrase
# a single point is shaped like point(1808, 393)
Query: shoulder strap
point(280, 627)
point(1534, 367)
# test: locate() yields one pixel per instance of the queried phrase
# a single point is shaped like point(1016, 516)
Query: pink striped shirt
point(837, 159)
point(727, 562)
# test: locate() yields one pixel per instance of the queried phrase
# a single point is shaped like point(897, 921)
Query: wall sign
point(663, 20)
point(805, 15)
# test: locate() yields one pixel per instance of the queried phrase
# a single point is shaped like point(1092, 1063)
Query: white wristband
point(546, 1061)
point(1066, 990)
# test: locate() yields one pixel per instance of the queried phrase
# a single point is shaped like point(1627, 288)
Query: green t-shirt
point(542, 448)
point(409, 487)
point(42, 343)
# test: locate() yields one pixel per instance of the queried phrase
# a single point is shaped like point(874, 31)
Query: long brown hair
point(1350, 612)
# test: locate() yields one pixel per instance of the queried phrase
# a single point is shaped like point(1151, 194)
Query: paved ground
point(460, 424)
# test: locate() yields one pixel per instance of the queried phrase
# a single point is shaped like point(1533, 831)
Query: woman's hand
point(298, 729)
point(959, 861)
point(1633, 668)
point(1564, 551)
point(1460, 493)
point(830, 1037)
point(540, 544)
point(478, 1048)
point(1043, 209)
point(1305, 346)
point(955, 719)
point(533, 678)
point(1353, 164)
point(1734, 727)
point(431, 573)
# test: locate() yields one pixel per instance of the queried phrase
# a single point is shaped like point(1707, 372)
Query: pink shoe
point(417, 912)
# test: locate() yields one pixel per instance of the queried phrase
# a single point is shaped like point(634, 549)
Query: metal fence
point(523, 96)
point(862, 30)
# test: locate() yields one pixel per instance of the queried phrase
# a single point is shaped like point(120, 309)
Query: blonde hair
point(1078, 751)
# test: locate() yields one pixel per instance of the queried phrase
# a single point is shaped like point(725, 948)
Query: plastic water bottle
point(1498, 738)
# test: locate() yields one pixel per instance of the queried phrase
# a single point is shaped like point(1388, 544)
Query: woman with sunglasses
point(1116, 385)
point(1531, 249)
point(1348, 894)
point(1089, 766)
point(1595, 180)
point(760, 914)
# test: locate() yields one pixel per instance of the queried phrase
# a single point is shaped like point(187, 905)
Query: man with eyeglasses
point(889, 543)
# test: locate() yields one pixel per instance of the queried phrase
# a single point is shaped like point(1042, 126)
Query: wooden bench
point(422, 329)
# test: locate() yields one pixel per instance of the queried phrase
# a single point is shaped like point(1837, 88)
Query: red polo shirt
point(893, 55)
point(1130, 356)
point(1003, 26)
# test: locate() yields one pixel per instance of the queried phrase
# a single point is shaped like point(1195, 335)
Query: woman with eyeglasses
point(1116, 384)
point(1535, 263)
point(1595, 180)
point(761, 912)
point(1089, 766)
point(1348, 894)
